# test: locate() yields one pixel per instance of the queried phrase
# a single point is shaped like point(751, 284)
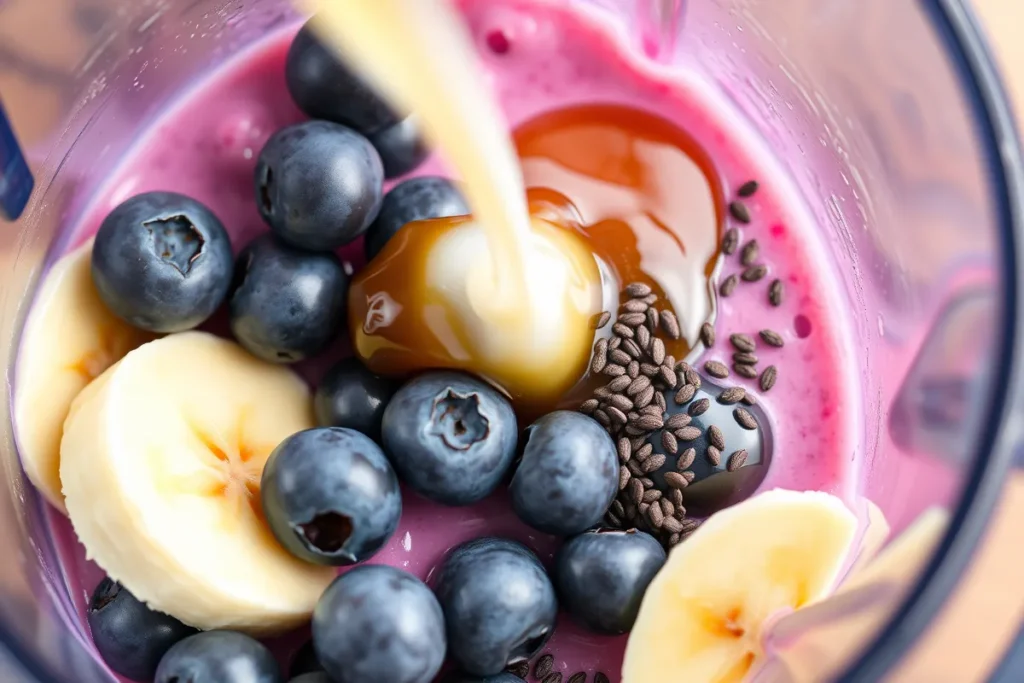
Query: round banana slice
point(161, 463)
point(701, 619)
point(70, 337)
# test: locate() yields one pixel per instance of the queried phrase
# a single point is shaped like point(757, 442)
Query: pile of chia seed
point(642, 377)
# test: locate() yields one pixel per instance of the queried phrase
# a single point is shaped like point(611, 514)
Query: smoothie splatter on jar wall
point(276, 381)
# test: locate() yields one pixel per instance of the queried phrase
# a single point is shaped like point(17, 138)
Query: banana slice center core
point(235, 468)
point(742, 632)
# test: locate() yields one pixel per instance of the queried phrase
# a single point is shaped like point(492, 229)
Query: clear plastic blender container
point(887, 114)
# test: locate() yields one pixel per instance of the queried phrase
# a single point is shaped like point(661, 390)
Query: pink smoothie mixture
point(545, 58)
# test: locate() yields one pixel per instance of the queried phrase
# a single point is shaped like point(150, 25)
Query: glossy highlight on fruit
point(330, 496)
point(499, 604)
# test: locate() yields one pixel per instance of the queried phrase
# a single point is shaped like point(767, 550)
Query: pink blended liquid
point(539, 58)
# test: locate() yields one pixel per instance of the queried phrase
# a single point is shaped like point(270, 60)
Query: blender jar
point(887, 114)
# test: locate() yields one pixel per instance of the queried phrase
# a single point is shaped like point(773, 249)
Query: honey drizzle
point(639, 191)
point(642, 191)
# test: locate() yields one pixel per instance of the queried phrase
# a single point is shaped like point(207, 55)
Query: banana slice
point(701, 619)
point(161, 463)
point(815, 643)
point(70, 337)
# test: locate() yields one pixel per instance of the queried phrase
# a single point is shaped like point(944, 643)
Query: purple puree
point(538, 58)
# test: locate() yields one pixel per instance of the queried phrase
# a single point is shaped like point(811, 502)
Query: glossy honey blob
point(617, 196)
point(430, 300)
point(645, 195)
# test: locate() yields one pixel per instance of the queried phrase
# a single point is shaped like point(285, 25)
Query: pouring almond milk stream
point(505, 293)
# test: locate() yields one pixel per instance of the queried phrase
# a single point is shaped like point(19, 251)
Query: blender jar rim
point(957, 28)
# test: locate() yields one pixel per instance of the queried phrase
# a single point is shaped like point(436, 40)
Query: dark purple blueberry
point(218, 657)
point(499, 604)
point(601, 577)
point(314, 677)
point(714, 487)
point(401, 147)
point(330, 496)
point(325, 88)
point(162, 262)
point(378, 623)
point(503, 677)
point(319, 185)
point(450, 436)
point(304, 661)
point(351, 396)
point(568, 474)
point(129, 635)
point(287, 304)
point(415, 199)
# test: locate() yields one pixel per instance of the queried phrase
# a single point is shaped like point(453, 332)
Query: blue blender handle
point(16, 181)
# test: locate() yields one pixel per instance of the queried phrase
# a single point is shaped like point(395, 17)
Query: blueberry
point(218, 657)
point(378, 623)
point(568, 474)
point(401, 147)
point(162, 262)
point(714, 487)
point(601, 577)
point(503, 677)
point(450, 436)
point(499, 604)
point(325, 88)
point(130, 636)
point(287, 304)
point(314, 677)
point(351, 396)
point(304, 661)
point(319, 185)
point(330, 496)
point(413, 200)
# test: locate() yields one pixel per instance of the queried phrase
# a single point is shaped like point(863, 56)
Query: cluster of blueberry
point(318, 185)
point(331, 495)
